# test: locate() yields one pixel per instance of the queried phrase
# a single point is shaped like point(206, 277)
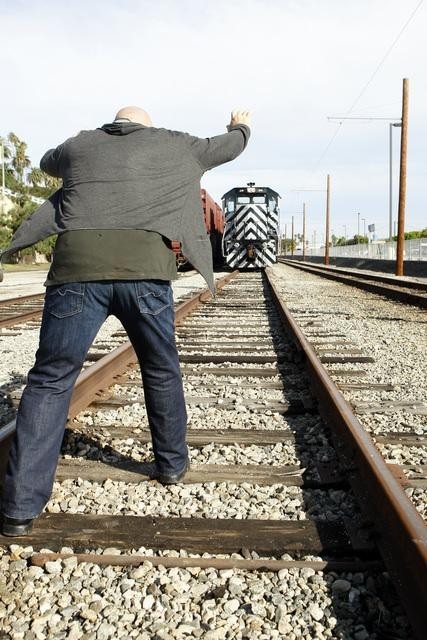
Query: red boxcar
point(214, 222)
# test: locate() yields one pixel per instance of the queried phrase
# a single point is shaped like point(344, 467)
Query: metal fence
point(414, 250)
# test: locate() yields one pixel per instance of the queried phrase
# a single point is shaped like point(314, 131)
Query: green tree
point(286, 245)
point(36, 177)
point(20, 212)
point(412, 235)
point(357, 240)
point(5, 235)
point(20, 161)
point(25, 181)
point(9, 173)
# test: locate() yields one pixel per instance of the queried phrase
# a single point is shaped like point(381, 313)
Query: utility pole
point(2, 178)
point(402, 180)
point(303, 231)
point(392, 124)
point(390, 180)
point(328, 196)
point(292, 241)
point(286, 239)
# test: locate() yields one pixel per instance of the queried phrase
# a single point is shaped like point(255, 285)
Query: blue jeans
point(72, 316)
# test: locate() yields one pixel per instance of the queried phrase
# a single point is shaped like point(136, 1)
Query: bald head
point(134, 114)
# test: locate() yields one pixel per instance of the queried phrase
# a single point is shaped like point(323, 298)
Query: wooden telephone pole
point(303, 231)
point(328, 200)
point(402, 180)
point(292, 241)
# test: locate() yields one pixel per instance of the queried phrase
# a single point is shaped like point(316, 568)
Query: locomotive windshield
point(255, 199)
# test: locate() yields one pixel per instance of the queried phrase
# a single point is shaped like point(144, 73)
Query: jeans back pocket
point(65, 299)
point(153, 296)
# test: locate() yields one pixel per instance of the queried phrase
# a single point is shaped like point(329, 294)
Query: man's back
point(124, 174)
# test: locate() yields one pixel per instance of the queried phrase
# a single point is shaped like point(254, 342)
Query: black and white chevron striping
point(250, 236)
point(265, 255)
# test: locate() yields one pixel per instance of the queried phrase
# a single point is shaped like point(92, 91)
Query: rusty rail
point(17, 317)
point(32, 296)
point(381, 285)
point(401, 534)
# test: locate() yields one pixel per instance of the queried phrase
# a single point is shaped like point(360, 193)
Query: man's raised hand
point(240, 117)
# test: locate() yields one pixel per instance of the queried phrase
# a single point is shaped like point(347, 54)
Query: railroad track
point(408, 291)
point(246, 373)
point(14, 311)
point(23, 309)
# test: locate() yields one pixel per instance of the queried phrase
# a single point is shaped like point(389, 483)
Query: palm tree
point(5, 148)
point(51, 183)
point(20, 161)
point(36, 177)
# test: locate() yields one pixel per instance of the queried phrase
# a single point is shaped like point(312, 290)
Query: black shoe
point(173, 478)
point(150, 469)
point(16, 527)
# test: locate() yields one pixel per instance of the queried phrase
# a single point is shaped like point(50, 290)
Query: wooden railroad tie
point(195, 535)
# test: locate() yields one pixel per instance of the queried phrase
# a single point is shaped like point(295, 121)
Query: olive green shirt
point(111, 254)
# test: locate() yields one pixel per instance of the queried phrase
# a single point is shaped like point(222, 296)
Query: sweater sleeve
point(211, 152)
point(51, 162)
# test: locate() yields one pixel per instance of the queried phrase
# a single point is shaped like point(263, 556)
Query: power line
point(378, 67)
point(361, 118)
point(389, 50)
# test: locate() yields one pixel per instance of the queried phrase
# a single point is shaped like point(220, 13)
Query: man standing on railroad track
point(129, 189)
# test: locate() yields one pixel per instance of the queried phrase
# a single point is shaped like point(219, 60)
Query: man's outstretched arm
point(211, 152)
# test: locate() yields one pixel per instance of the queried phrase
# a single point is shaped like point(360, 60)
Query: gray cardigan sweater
point(128, 176)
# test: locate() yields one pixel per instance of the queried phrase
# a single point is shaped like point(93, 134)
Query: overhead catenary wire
point(366, 85)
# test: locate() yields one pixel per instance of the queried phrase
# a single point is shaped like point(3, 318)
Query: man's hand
point(239, 117)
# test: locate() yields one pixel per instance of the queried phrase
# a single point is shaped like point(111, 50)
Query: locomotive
point(251, 234)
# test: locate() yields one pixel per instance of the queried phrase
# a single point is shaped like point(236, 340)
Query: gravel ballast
point(69, 601)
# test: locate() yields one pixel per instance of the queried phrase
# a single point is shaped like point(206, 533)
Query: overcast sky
point(70, 66)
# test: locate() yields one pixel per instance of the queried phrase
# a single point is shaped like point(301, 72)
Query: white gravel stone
point(316, 612)
point(53, 567)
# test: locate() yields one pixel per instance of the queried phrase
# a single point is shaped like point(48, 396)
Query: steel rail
point(102, 374)
point(32, 296)
point(401, 533)
point(397, 291)
point(15, 316)
point(19, 318)
point(376, 277)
